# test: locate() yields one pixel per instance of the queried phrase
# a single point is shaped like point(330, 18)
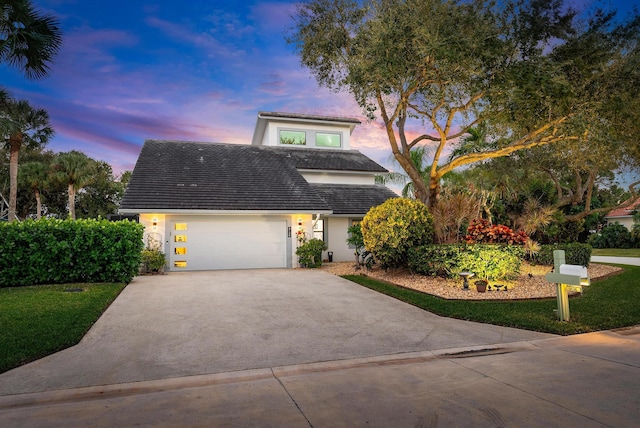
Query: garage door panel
point(228, 243)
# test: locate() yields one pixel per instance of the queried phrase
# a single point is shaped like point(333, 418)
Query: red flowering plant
point(481, 232)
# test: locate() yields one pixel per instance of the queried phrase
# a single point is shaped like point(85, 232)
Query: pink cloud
point(275, 86)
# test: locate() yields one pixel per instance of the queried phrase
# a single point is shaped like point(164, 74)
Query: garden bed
point(530, 285)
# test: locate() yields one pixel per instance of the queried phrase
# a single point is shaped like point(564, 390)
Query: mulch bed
point(530, 285)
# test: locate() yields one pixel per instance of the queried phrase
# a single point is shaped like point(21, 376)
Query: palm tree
point(76, 170)
point(35, 175)
point(28, 40)
point(21, 125)
point(476, 141)
point(418, 155)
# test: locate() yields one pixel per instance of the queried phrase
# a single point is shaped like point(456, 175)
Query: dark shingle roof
point(353, 199)
point(180, 175)
point(336, 160)
point(174, 175)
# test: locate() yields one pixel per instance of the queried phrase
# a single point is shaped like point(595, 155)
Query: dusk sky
point(196, 70)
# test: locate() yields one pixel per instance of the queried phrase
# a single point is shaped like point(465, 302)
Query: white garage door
point(228, 243)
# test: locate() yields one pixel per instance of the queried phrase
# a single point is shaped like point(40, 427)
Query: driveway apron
point(186, 324)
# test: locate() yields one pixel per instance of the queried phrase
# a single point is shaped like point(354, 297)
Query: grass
point(616, 252)
point(606, 304)
point(40, 320)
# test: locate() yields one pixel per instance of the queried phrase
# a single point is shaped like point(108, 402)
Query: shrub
point(153, 260)
point(490, 262)
point(392, 228)
point(486, 261)
point(435, 260)
point(451, 215)
point(310, 253)
point(635, 230)
point(481, 232)
point(363, 257)
point(574, 254)
point(635, 234)
point(612, 236)
point(51, 251)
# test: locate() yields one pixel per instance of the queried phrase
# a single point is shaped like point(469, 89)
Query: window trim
point(339, 134)
point(310, 137)
point(302, 131)
point(314, 231)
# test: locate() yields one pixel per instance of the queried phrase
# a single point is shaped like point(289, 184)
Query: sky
point(200, 70)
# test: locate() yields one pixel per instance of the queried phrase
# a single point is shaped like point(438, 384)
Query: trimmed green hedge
point(495, 261)
point(574, 254)
point(51, 251)
point(435, 260)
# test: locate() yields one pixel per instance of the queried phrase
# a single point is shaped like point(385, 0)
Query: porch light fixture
point(154, 223)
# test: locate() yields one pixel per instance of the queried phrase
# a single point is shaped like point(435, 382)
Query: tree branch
point(469, 103)
point(528, 141)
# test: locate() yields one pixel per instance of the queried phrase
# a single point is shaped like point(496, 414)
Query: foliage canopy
point(527, 72)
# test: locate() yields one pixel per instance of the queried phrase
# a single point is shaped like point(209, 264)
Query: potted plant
point(481, 285)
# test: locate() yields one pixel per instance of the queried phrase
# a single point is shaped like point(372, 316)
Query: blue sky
point(197, 70)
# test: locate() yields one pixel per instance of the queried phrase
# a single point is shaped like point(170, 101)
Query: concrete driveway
point(186, 324)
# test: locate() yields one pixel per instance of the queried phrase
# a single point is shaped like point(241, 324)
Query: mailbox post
point(565, 276)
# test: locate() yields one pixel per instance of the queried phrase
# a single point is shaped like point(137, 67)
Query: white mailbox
point(575, 270)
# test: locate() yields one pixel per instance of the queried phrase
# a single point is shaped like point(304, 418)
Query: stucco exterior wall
point(336, 233)
point(271, 134)
point(331, 177)
point(154, 233)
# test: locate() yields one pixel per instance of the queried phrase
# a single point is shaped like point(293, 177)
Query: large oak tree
point(432, 70)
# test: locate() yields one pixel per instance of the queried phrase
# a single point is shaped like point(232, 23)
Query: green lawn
point(606, 304)
point(616, 252)
point(40, 320)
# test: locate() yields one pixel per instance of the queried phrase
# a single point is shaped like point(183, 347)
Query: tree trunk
point(38, 204)
point(434, 192)
point(420, 191)
point(14, 150)
point(404, 158)
point(72, 202)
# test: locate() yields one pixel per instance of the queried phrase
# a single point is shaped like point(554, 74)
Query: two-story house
point(233, 206)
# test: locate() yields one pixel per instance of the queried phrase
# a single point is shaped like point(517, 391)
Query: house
point(624, 216)
point(232, 206)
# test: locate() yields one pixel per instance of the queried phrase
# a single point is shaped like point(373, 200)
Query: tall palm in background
point(35, 176)
point(76, 170)
point(21, 126)
point(28, 39)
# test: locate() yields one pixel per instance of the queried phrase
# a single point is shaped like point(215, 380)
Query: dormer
point(304, 131)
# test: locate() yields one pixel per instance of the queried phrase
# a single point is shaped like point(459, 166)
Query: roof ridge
point(285, 115)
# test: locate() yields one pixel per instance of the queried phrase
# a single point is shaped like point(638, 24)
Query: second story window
point(297, 138)
point(325, 139)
